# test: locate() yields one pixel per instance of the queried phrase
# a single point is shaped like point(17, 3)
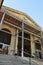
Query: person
point(4, 47)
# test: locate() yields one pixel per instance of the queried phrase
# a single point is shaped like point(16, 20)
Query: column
point(32, 45)
point(22, 39)
point(16, 43)
point(11, 47)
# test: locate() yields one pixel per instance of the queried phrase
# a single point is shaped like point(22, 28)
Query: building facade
point(20, 33)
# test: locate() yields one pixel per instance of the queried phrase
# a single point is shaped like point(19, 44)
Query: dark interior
point(27, 45)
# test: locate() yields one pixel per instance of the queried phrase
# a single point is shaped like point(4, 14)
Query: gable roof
point(23, 16)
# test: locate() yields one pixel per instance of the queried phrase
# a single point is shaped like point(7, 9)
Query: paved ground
point(15, 60)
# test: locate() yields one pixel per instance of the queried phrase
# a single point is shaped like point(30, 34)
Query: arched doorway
point(5, 38)
point(38, 49)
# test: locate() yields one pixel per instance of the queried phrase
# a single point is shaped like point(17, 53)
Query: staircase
point(17, 60)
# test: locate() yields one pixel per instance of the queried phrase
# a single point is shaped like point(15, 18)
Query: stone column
point(16, 43)
point(11, 47)
point(32, 46)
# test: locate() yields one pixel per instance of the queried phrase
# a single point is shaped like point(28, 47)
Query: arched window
point(5, 36)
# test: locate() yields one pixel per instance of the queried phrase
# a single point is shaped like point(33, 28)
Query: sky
point(34, 8)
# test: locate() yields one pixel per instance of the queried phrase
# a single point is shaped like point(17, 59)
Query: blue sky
point(34, 8)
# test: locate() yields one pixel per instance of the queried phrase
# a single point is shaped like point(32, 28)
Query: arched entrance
point(5, 38)
point(38, 49)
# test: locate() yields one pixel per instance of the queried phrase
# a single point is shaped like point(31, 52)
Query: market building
point(20, 33)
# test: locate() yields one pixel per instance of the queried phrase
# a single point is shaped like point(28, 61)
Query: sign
point(1, 2)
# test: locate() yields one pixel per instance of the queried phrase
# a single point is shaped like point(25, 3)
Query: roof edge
point(22, 13)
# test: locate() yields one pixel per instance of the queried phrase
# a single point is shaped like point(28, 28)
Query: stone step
point(16, 60)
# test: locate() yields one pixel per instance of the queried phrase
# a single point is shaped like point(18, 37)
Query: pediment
point(23, 16)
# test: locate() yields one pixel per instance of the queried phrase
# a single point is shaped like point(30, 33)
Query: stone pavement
point(15, 60)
